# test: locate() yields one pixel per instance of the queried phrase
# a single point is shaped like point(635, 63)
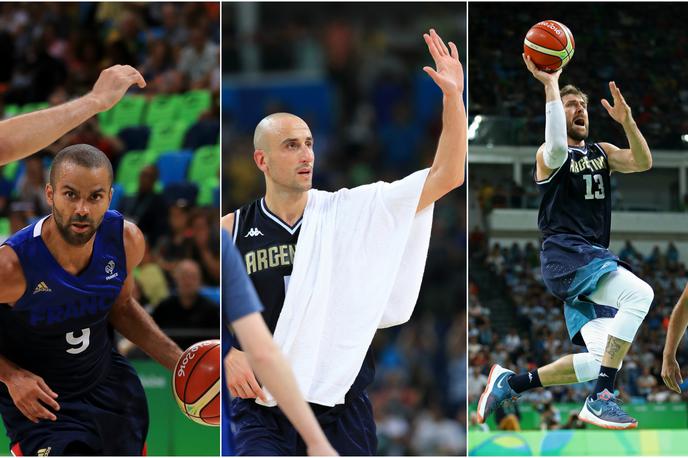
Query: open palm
point(448, 74)
point(620, 111)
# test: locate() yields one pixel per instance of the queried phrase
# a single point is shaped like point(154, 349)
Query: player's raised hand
point(241, 381)
point(113, 83)
point(449, 73)
point(541, 75)
point(671, 373)
point(620, 112)
point(31, 395)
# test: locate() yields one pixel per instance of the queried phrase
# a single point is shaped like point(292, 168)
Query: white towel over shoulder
point(358, 267)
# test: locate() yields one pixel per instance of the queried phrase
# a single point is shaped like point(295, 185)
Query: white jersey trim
point(236, 225)
point(286, 227)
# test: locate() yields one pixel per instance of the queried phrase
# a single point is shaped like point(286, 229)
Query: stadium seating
point(4, 227)
point(163, 109)
point(128, 170)
point(193, 105)
point(128, 112)
point(167, 137)
point(173, 166)
point(204, 132)
point(204, 171)
point(135, 137)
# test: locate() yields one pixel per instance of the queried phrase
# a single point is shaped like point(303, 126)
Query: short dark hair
point(82, 155)
point(570, 89)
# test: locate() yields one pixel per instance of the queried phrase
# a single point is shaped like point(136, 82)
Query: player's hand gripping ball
point(196, 382)
point(550, 45)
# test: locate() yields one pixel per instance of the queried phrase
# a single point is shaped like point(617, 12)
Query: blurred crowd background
point(353, 72)
point(163, 140)
point(512, 319)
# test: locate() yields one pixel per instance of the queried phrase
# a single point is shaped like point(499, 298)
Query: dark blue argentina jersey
point(576, 198)
point(59, 328)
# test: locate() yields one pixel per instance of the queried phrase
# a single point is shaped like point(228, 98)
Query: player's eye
point(96, 196)
point(70, 195)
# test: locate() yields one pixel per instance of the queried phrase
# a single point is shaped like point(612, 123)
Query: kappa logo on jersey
point(44, 451)
point(253, 232)
point(42, 288)
point(109, 268)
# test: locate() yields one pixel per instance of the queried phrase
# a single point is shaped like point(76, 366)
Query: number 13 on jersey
point(594, 181)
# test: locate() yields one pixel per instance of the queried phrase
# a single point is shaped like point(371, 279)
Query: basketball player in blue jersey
point(242, 308)
point(266, 233)
point(604, 303)
point(65, 284)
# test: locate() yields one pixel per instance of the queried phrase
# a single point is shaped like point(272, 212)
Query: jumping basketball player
point(604, 303)
point(270, 227)
point(242, 308)
point(65, 283)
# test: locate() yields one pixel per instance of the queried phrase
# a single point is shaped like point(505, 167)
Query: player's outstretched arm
point(671, 372)
point(130, 319)
point(637, 157)
point(274, 371)
point(447, 171)
point(24, 135)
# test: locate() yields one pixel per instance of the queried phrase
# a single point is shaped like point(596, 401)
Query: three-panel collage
point(343, 228)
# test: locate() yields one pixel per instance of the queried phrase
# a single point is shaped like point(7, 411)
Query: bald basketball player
point(27, 134)
point(284, 153)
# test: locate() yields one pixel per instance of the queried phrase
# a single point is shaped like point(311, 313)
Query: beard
point(68, 235)
point(576, 134)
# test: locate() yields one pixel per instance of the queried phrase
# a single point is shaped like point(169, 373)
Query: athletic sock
point(605, 381)
point(523, 382)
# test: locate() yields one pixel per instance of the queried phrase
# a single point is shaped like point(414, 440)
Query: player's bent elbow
point(264, 357)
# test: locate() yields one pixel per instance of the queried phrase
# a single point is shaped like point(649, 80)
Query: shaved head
point(272, 125)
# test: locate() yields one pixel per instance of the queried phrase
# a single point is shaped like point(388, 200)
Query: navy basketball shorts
point(109, 419)
point(265, 431)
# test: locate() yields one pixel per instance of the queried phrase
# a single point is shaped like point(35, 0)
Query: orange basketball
point(196, 382)
point(550, 45)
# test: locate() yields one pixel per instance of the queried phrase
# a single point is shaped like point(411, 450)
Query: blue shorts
point(110, 419)
point(265, 431)
point(571, 268)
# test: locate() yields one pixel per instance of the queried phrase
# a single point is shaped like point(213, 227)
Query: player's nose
point(82, 208)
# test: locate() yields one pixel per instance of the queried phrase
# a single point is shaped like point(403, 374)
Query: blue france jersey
point(59, 328)
point(576, 198)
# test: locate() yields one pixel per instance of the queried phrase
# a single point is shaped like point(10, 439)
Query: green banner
point(661, 415)
point(170, 432)
point(591, 442)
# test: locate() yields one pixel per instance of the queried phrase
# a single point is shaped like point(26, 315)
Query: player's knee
point(643, 296)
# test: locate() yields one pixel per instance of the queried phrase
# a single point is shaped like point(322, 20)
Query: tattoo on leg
point(613, 347)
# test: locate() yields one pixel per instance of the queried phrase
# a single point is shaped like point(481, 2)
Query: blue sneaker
point(605, 412)
point(496, 392)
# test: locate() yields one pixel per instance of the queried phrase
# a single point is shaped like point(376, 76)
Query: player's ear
point(49, 193)
point(259, 158)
